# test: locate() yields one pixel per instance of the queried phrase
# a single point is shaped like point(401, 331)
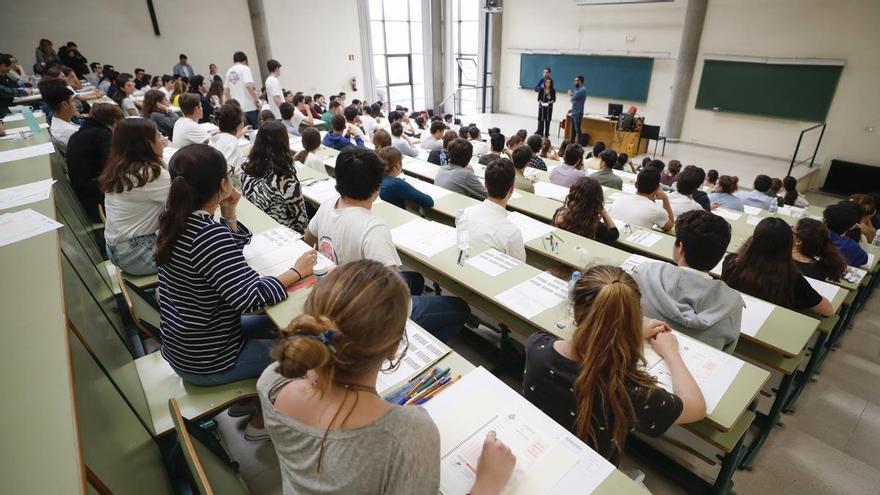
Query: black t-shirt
point(603, 233)
point(812, 270)
point(805, 296)
point(547, 383)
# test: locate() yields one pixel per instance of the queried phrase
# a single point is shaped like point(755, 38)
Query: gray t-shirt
point(398, 453)
point(461, 180)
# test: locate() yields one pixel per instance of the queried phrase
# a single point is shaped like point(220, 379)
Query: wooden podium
point(601, 129)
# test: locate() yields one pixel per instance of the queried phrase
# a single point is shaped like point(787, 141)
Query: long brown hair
point(816, 243)
point(583, 206)
point(197, 173)
point(132, 161)
point(271, 153)
point(607, 345)
point(381, 139)
point(152, 99)
point(763, 266)
point(311, 140)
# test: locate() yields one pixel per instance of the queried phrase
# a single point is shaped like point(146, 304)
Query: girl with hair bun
point(723, 194)
point(332, 432)
point(814, 253)
point(592, 383)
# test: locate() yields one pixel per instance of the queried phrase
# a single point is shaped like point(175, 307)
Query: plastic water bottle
point(461, 235)
point(575, 276)
point(28, 116)
point(773, 208)
point(876, 241)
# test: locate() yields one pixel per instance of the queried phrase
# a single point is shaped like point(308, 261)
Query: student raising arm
point(592, 383)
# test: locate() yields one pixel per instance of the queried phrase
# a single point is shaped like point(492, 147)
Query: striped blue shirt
point(203, 290)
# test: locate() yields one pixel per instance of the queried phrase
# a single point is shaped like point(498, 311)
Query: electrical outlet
point(630, 39)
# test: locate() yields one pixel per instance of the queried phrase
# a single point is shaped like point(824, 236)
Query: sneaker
point(240, 409)
point(255, 434)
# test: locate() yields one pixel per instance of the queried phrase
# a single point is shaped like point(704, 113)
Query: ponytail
point(172, 221)
point(791, 192)
point(831, 261)
point(816, 243)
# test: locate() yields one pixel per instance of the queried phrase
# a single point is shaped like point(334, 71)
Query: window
point(465, 47)
point(398, 63)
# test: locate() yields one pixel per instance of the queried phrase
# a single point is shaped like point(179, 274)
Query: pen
point(430, 383)
point(460, 256)
point(422, 382)
point(446, 382)
point(427, 391)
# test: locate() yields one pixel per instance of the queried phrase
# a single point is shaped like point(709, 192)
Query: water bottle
point(320, 271)
point(28, 116)
point(575, 276)
point(774, 207)
point(876, 241)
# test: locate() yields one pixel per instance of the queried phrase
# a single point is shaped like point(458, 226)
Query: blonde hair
point(381, 139)
point(392, 157)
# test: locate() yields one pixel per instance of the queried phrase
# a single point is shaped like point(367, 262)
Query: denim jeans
point(576, 120)
point(136, 256)
point(415, 281)
point(442, 316)
point(252, 118)
point(258, 332)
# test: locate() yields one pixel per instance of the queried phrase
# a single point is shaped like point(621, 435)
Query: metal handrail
point(456, 91)
point(797, 147)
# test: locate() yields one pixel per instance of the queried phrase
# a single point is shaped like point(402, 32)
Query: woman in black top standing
point(546, 99)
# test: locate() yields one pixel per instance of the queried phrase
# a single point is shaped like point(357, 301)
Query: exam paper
point(26, 152)
point(870, 261)
point(15, 117)
point(11, 197)
point(427, 188)
point(753, 220)
point(492, 262)
point(752, 210)
point(23, 225)
point(826, 290)
point(754, 315)
point(320, 190)
point(418, 351)
point(535, 295)
point(644, 238)
point(531, 171)
point(424, 237)
point(529, 227)
point(854, 275)
point(635, 260)
point(275, 251)
point(728, 214)
point(16, 133)
point(552, 191)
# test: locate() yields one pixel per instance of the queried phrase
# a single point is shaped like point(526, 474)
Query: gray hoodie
point(696, 305)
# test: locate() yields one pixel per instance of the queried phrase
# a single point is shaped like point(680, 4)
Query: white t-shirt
point(128, 104)
point(638, 210)
point(136, 212)
point(315, 163)
point(187, 131)
point(429, 143)
point(228, 145)
point(273, 88)
point(370, 124)
point(352, 234)
point(166, 91)
point(237, 78)
point(298, 118)
point(61, 130)
point(487, 224)
point(681, 203)
point(480, 147)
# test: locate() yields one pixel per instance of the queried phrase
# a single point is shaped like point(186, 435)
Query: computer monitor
point(615, 109)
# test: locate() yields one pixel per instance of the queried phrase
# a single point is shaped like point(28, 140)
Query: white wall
point(313, 40)
point(843, 29)
point(119, 32)
point(560, 25)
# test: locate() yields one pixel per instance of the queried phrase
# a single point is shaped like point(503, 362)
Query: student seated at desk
point(815, 255)
point(605, 175)
point(513, 143)
point(641, 208)
point(686, 296)
point(340, 137)
point(669, 176)
point(269, 180)
point(592, 384)
point(548, 151)
point(123, 95)
point(381, 139)
point(759, 196)
point(334, 108)
point(571, 169)
point(87, 152)
point(369, 122)
point(723, 194)
point(521, 157)
point(333, 434)
point(135, 184)
point(230, 121)
point(710, 182)
point(480, 147)
point(487, 222)
point(457, 175)
point(346, 230)
point(157, 109)
point(266, 116)
point(187, 129)
point(206, 285)
point(534, 143)
point(497, 143)
point(394, 189)
point(353, 121)
point(434, 140)
point(59, 98)
point(593, 162)
point(700, 196)
point(790, 194)
point(311, 141)
point(440, 157)
point(763, 268)
point(583, 212)
point(400, 142)
point(842, 219)
point(687, 183)
point(869, 210)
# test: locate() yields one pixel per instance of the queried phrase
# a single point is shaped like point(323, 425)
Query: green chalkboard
point(801, 92)
point(622, 78)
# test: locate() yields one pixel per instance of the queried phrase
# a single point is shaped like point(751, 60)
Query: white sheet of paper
point(479, 170)
point(26, 152)
point(492, 262)
point(753, 220)
point(529, 227)
point(15, 117)
point(754, 315)
point(423, 351)
point(424, 237)
point(535, 295)
point(552, 191)
point(320, 190)
point(16, 133)
point(23, 225)
point(272, 252)
point(752, 210)
point(644, 238)
point(426, 187)
point(420, 168)
point(531, 171)
point(826, 290)
point(728, 214)
point(635, 260)
point(629, 188)
point(11, 197)
point(854, 275)
point(870, 261)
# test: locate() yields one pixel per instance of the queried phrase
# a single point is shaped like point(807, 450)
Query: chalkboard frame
point(625, 78)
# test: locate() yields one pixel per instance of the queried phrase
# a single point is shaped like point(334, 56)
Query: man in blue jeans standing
point(578, 96)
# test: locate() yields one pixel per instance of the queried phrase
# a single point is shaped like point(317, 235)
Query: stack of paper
point(752, 210)
point(728, 214)
point(420, 350)
point(644, 238)
point(275, 251)
point(529, 227)
point(320, 190)
point(26, 152)
point(549, 459)
point(712, 369)
point(635, 260)
point(535, 295)
point(754, 315)
point(11, 197)
point(23, 225)
point(427, 188)
point(493, 262)
point(18, 132)
point(552, 191)
point(424, 237)
point(15, 117)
